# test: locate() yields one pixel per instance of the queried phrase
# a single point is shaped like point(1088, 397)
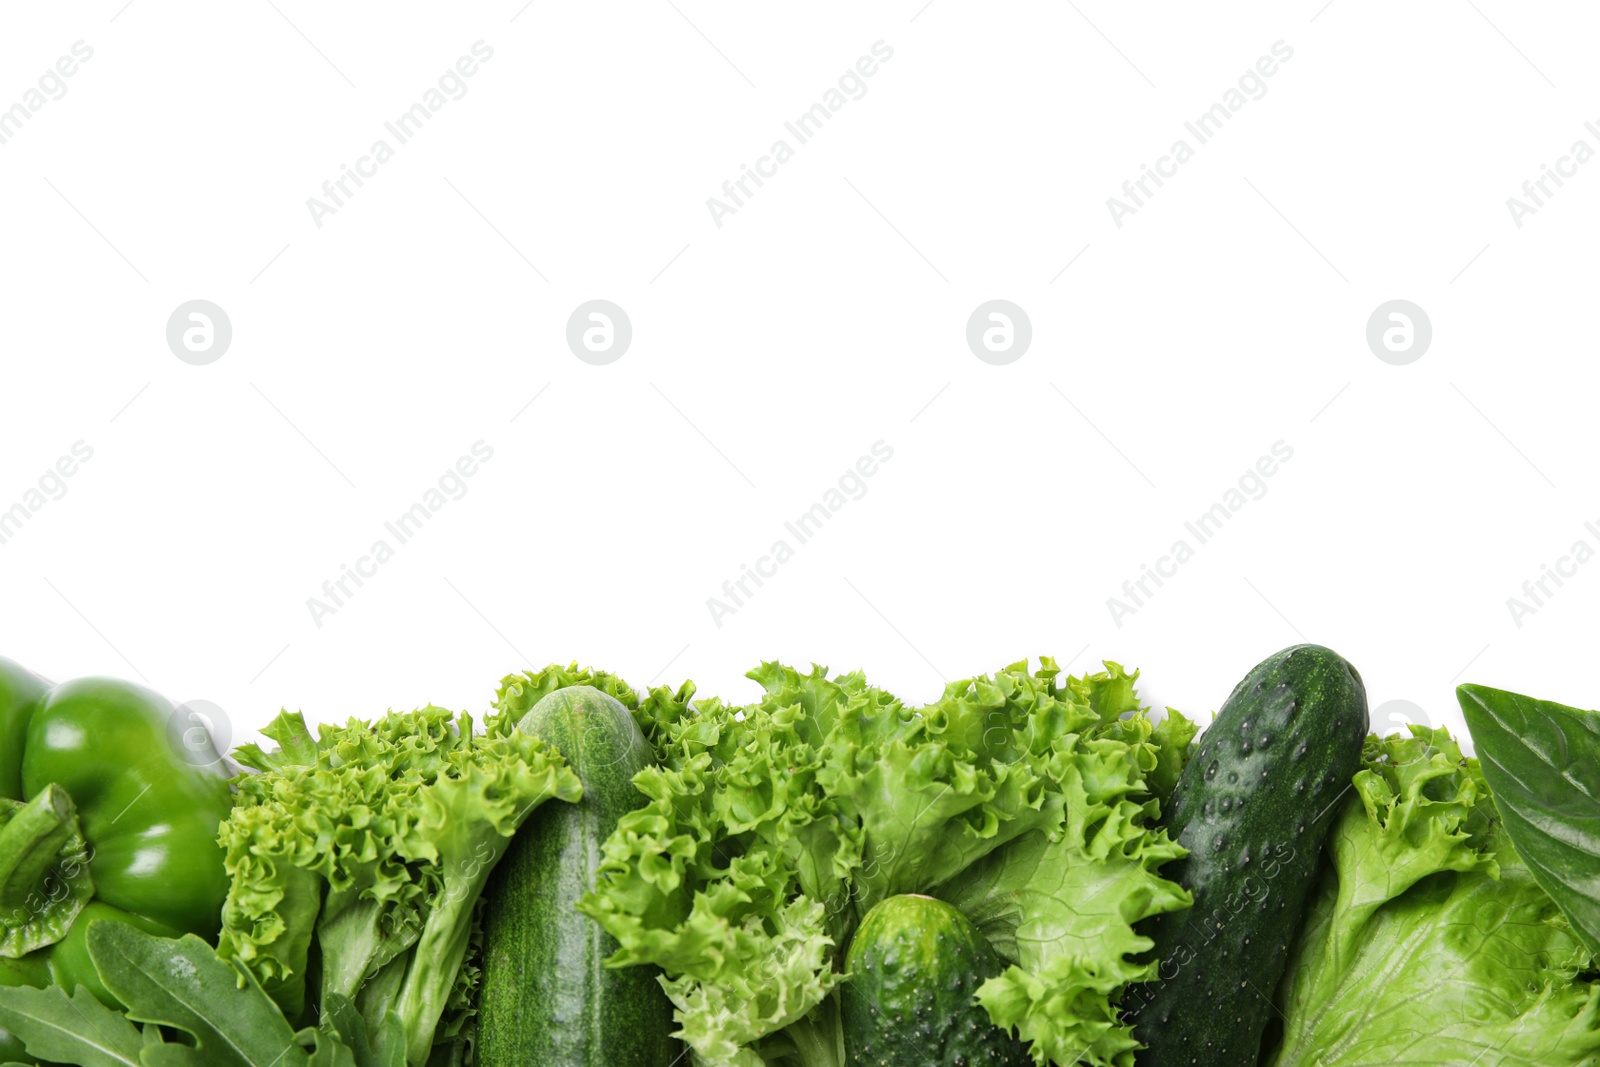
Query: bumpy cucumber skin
point(547, 998)
point(915, 963)
point(1254, 808)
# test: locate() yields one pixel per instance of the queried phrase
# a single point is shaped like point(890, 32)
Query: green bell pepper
point(67, 961)
point(99, 793)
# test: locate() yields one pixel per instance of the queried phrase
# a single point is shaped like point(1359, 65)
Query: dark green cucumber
point(1254, 808)
point(914, 965)
point(547, 997)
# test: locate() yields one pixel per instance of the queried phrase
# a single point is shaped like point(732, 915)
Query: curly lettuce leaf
point(655, 712)
point(1061, 900)
point(734, 876)
point(377, 838)
point(770, 828)
point(464, 820)
point(1062, 910)
point(1430, 943)
point(938, 788)
point(270, 913)
point(1173, 737)
point(784, 985)
point(518, 693)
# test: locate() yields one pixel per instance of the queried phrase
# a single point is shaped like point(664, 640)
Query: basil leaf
point(1542, 763)
point(183, 984)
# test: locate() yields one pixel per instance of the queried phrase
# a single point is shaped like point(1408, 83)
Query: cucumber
point(547, 997)
point(1254, 808)
point(914, 965)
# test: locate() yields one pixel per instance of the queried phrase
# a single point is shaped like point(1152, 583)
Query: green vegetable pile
point(377, 839)
point(1029, 800)
point(1031, 869)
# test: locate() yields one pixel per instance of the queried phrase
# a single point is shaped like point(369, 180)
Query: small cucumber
point(1254, 808)
point(548, 999)
point(914, 964)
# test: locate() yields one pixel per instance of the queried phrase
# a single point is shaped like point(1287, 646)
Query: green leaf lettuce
point(1429, 941)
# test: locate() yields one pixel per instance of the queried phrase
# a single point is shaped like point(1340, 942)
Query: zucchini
point(1254, 808)
point(914, 965)
point(547, 996)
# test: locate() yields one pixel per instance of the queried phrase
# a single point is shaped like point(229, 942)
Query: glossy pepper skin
point(20, 692)
point(149, 803)
point(67, 963)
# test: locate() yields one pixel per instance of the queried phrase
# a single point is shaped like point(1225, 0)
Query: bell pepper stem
point(44, 871)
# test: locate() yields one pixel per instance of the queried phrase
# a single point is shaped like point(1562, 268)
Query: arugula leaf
point(76, 1029)
point(181, 983)
point(1542, 760)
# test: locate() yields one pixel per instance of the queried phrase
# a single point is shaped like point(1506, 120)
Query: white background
point(826, 314)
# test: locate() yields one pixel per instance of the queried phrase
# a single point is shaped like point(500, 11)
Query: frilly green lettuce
point(1429, 943)
point(769, 829)
point(1062, 908)
point(734, 876)
point(377, 838)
